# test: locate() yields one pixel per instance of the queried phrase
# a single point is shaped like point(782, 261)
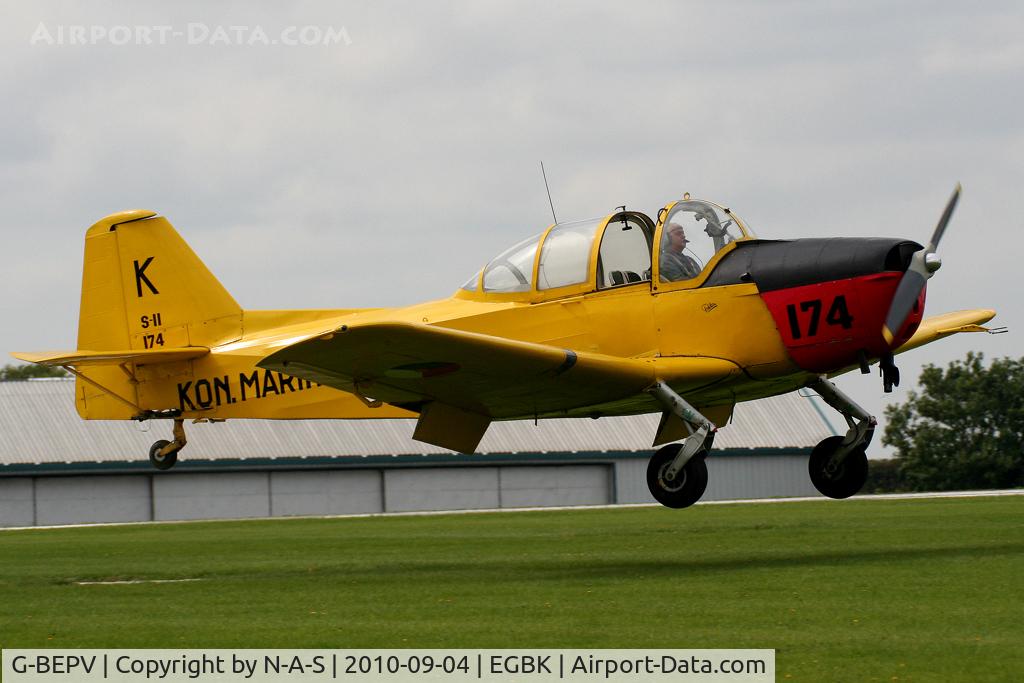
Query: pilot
point(675, 265)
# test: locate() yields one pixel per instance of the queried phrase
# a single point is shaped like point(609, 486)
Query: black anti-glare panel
point(773, 265)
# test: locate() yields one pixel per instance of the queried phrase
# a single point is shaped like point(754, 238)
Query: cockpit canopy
point(613, 251)
point(706, 229)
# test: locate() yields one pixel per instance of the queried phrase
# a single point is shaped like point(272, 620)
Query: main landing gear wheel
point(842, 480)
point(689, 483)
point(162, 462)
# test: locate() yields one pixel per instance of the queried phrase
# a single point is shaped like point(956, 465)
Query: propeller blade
point(922, 266)
point(940, 229)
point(907, 292)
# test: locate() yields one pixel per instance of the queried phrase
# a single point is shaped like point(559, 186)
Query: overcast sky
point(384, 168)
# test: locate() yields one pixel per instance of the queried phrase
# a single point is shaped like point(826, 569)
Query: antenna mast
point(550, 203)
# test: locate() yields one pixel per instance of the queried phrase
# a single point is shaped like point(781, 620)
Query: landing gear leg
point(677, 474)
point(163, 454)
point(839, 465)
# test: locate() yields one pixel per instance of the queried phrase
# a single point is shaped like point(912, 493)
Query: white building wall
point(749, 476)
point(17, 504)
point(523, 487)
point(92, 499)
point(332, 492)
point(448, 488)
point(227, 495)
point(176, 495)
point(631, 481)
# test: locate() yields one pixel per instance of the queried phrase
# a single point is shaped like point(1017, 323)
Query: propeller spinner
point(922, 266)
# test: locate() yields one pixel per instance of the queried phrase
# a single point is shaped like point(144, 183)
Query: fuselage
point(766, 317)
point(778, 312)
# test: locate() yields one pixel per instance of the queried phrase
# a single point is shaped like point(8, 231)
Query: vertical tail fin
point(144, 288)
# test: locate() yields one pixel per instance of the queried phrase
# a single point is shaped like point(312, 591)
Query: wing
point(939, 326)
point(460, 381)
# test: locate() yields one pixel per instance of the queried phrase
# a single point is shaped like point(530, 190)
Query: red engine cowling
point(826, 325)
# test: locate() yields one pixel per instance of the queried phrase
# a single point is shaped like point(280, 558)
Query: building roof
point(39, 424)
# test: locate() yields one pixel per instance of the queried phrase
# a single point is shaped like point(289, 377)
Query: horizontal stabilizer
point(141, 357)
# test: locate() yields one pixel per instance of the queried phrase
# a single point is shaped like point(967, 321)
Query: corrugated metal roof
point(38, 424)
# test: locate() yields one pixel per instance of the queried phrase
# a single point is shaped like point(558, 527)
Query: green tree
point(964, 430)
point(14, 373)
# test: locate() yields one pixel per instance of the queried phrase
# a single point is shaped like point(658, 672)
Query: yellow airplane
point(686, 315)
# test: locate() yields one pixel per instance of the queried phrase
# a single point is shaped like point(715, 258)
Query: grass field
point(894, 590)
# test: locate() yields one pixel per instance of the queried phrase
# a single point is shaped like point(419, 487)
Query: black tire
point(689, 484)
point(167, 461)
point(845, 480)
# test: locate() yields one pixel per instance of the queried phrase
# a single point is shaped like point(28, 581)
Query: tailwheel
point(842, 479)
point(686, 487)
point(162, 462)
point(163, 454)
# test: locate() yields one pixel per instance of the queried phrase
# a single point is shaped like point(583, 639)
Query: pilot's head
point(676, 237)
